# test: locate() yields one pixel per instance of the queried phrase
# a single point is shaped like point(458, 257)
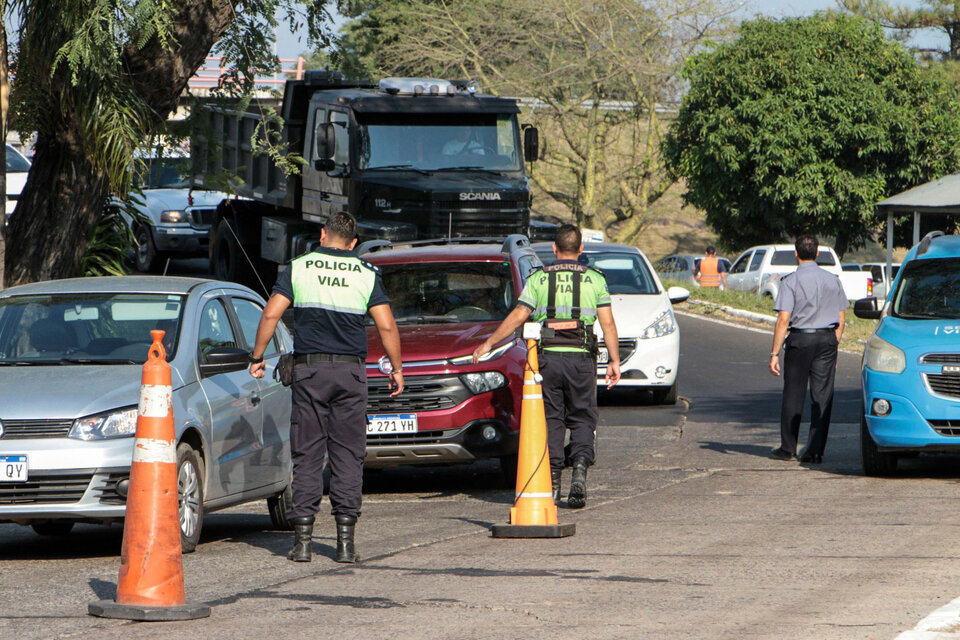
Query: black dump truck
point(410, 158)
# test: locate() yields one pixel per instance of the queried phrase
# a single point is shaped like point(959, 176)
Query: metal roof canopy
point(937, 196)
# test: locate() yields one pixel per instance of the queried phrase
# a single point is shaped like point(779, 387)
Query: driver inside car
point(462, 142)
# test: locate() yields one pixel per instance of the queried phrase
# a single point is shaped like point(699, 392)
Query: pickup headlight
point(662, 326)
point(493, 354)
point(116, 424)
point(880, 355)
point(483, 382)
point(173, 217)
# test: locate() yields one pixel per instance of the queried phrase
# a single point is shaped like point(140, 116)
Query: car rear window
point(786, 258)
point(106, 328)
point(928, 289)
point(438, 292)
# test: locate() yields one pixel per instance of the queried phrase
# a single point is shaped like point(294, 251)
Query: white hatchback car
point(643, 311)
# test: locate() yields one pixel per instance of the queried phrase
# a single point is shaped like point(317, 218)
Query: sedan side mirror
point(867, 308)
point(677, 294)
point(224, 360)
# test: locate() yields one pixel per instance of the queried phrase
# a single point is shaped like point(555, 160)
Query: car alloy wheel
point(190, 495)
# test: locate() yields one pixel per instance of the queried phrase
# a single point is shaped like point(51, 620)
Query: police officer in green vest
point(566, 298)
point(331, 290)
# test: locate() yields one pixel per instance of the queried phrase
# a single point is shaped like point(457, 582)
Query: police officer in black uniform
point(331, 290)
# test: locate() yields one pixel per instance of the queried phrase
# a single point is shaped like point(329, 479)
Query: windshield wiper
point(426, 319)
point(70, 360)
point(409, 167)
point(469, 168)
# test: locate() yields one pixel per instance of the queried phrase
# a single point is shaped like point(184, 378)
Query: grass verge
point(854, 335)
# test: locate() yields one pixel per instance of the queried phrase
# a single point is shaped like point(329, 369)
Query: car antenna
point(166, 266)
point(249, 261)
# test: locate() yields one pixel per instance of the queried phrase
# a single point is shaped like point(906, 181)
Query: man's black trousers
point(808, 358)
point(570, 402)
point(328, 417)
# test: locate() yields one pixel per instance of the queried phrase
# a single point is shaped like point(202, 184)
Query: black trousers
point(328, 417)
point(808, 359)
point(570, 402)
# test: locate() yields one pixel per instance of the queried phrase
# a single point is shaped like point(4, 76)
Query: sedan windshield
point(448, 292)
point(439, 142)
point(626, 273)
point(88, 328)
point(928, 289)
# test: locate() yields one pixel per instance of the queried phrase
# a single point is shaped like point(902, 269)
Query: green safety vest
point(566, 290)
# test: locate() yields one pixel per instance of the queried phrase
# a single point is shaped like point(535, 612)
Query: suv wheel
point(875, 463)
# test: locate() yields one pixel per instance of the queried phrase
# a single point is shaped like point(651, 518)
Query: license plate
point(13, 468)
point(394, 423)
point(603, 356)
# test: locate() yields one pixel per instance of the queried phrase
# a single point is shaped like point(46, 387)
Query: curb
point(738, 313)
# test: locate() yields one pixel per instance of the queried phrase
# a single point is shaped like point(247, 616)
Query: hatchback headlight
point(880, 355)
point(116, 424)
point(493, 354)
point(173, 216)
point(483, 382)
point(662, 326)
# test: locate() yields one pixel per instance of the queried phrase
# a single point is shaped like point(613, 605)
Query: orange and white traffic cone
point(534, 514)
point(151, 568)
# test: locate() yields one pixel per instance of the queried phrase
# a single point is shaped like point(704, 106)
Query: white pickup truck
point(760, 269)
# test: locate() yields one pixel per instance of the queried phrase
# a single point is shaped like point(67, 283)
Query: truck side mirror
point(326, 147)
point(531, 144)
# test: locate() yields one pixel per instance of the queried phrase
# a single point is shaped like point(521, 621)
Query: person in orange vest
point(711, 272)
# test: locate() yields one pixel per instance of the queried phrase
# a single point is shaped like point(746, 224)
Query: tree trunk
point(64, 195)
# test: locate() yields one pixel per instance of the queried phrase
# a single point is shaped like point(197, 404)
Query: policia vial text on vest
point(331, 290)
point(566, 298)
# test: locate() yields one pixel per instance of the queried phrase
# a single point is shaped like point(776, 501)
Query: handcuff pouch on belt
point(566, 332)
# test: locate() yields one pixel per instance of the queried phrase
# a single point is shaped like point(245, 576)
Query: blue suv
point(911, 363)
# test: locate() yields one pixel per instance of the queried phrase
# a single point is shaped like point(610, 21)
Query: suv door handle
point(255, 399)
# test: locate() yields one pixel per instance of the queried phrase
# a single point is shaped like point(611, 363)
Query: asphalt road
point(690, 532)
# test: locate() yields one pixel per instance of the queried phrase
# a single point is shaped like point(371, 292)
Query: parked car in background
point(911, 364)
point(448, 296)
point(642, 309)
point(71, 354)
point(761, 268)
point(174, 219)
point(17, 169)
point(682, 267)
point(877, 271)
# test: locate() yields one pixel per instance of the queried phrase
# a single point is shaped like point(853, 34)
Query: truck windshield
point(928, 289)
point(89, 328)
point(442, 292)
point(432, 142)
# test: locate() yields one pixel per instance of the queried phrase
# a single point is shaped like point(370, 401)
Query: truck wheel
point(875, 463)
point(228, 262)
point(146, 256)
point(190, 495)
point(279, 506)
point(666, 395)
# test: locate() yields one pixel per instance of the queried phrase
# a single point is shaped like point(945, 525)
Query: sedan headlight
point(483, 382)
point(493, 354)
point(880, 355)
point(662, 326)
point(173, 216)
point(116, 424)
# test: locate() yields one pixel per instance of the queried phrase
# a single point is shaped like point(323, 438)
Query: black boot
point(346, 551)
point(555, 481)
point(578, 484)
point(302, 539)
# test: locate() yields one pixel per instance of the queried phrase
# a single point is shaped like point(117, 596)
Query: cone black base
point(111, 609)
point(533, 530)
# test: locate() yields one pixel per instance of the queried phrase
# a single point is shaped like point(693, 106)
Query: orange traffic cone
point(151, 569)
point(533, 515)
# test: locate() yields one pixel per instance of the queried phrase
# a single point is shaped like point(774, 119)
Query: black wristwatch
point(255, 360)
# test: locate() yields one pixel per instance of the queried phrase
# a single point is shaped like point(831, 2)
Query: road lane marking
point(687, 314)
point(942, 624)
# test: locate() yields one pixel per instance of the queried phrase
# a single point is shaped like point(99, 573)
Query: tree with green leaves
point(802, 125)
point(96, 79)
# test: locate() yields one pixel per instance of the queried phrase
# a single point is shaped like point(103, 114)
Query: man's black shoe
point(781, 454)
point(810, 458)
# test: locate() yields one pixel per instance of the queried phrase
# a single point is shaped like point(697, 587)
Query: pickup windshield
point(89, 328)
point(786, 258)
point(928, 289)
point(437, 142)
point(165, 173)
point(449, 292)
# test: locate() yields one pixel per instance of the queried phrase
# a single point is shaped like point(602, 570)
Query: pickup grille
point(423, 437)
point(420, 393)
point(202, 217)
point(49, 487)
point(947, 384)
point(28, 429)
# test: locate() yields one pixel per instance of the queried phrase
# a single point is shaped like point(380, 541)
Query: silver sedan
point(71, 353)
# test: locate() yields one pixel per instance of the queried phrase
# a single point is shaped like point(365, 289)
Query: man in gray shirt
point(811, 306)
